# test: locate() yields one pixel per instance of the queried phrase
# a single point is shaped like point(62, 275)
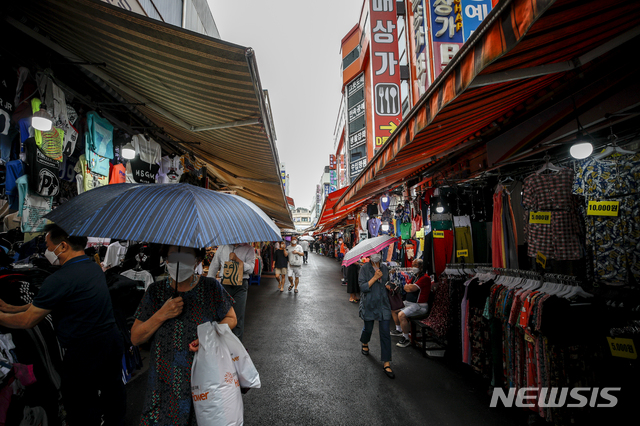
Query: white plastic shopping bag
point(247, 373)
point(215, 388)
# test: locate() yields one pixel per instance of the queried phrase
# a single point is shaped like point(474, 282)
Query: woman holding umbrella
point(169, 315)
point(374, 306)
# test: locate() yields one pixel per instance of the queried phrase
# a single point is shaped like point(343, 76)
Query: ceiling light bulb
point(439, 209)
point(385, 199)
point(41, 120)
point(385, 227)
point(581, 150)
point(128, 151)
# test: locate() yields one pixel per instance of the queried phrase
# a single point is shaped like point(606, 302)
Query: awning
point(520, 50)
point(329, 216)
point(203, 92)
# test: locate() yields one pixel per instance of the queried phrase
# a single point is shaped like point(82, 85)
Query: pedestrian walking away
point(281, 263)
point(353, 287)
point(296, 255)
point(245, 256)
point(374, 306)
point(78, 299)
point(305, 249)
point(168, 316)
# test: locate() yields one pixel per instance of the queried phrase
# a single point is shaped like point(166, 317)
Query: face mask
point(51, 256)
point(376, 258)
point(294, 242)
point(187, 265)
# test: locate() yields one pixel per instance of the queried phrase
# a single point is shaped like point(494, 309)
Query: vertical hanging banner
point(446, 31)
point(385, 70)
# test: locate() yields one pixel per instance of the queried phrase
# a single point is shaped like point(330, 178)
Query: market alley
point(307, 351)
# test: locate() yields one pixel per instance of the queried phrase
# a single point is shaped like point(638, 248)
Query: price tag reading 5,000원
point(540, 217)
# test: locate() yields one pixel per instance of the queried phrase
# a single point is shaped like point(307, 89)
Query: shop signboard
point(356, 125)
point(473, 13)
point(356, 167)
point(385, 70)
point(326, 190)
point(421, 51)
point(333, 181)
point(332, 162)
point(446, 31)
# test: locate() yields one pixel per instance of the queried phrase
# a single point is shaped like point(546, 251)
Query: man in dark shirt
point(281, 264)
point(78, 299)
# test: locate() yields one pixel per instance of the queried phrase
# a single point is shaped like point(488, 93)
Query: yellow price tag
point(603, 208)
point(438, 234)
point(541, 259)
point(540, 217)
point(623, 348)
point(420, 233)
point(462, 253)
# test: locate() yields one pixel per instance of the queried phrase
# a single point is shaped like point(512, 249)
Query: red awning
point(330, 217)
point(521, 49)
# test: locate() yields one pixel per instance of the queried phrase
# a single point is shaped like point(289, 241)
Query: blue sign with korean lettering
point(473, 13)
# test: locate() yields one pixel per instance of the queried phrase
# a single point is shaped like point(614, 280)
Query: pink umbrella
point(367, 247)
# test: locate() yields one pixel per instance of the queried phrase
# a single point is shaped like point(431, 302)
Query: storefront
point(528, 239)
point(126, 99)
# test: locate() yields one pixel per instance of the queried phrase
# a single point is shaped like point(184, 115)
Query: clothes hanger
point(548, 166)
point(612, 149)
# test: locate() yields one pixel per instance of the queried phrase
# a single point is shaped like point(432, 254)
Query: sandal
point(365, 346)
point(295, 291)
point(388, 371)
point(291, 287)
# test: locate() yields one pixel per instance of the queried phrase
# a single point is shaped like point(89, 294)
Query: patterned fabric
point(168, 399)
point(613, 239)
point(438, 320)
point(558, 240)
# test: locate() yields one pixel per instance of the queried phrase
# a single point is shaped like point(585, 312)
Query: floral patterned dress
point(168, 399)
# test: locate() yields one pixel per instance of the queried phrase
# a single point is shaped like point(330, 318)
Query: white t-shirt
point(144, 276)
point(305, 245)
point(115, 254)
point(170, 169)
point(149, 150)
point(295, 259)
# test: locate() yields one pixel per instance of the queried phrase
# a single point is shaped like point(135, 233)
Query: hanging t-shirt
point(115, 254)
point(372, 210)
point(384, 205)
point(8, 83)
point(374, 226)
point(90, 180)
point(26, 131)
point(32, 207)
point(51, 143)
point(143, 172)
point(118, 174)
point(170, 169)
point(100, 135)
point(15, 169)
point(43, 171)
point(405, 230)
point(416, 224)
point(148, 150)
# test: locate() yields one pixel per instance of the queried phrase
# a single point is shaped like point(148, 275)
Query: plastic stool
point(254, 279)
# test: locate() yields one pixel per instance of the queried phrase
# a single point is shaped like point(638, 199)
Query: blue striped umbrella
point(175, 214)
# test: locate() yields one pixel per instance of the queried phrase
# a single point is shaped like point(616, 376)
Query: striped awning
point(203, 92)
point(521, 49)
point(330, 216)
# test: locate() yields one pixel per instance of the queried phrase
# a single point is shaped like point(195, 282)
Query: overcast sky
point(297, 45)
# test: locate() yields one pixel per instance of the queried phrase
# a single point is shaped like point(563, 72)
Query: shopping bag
point(395, 300)
point(215, 389)
point(231, 273)
point(247, 374)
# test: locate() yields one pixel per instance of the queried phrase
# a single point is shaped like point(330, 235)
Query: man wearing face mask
point(78, 299)
point(245, 256)
point(296, 256)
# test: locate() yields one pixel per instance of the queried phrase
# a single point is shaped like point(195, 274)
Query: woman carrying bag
point(374, 306)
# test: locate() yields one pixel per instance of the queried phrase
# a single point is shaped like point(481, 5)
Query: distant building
point(301, 218)
point(194, 15)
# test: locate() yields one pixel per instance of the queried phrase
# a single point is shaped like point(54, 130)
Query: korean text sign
point(385, 69)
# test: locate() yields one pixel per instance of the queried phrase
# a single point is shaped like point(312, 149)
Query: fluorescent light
point(128, 152)
point(581, 150)
point(41, 120)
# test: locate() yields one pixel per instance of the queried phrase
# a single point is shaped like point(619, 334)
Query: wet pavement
point(307, 350)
